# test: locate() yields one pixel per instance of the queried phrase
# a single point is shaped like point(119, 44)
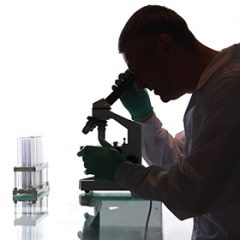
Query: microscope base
point(91, 184)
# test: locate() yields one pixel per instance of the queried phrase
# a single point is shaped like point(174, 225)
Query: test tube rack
point(37, 183)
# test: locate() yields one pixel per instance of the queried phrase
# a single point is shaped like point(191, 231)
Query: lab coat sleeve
point(194, 187)
point(209, 178)
point(158, 146)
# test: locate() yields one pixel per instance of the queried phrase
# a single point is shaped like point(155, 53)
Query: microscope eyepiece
point(115, 95)
point(121, 88)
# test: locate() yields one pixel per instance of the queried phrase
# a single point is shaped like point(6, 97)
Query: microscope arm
point(101, 111)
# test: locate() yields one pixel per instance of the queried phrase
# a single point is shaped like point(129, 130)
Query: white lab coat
point(197, 174)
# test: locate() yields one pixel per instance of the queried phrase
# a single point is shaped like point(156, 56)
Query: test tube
point(29, 155)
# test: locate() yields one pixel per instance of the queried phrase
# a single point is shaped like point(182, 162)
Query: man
point(196, 174)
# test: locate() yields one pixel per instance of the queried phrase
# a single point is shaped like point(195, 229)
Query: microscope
point(130, 149)
point(117, 212)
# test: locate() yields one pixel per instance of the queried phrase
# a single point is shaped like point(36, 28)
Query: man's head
point(161, 51)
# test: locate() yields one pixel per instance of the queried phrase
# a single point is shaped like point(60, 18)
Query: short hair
point(154, 19)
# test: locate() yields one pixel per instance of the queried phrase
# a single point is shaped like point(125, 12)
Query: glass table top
point(104, 215)
point(69, 213)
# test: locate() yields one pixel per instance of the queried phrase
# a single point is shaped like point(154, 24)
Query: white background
point(58, 57)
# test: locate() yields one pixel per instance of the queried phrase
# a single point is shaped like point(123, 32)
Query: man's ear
point(166, 45)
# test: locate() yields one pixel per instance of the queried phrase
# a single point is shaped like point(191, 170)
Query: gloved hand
point(101, 161)
point(135, 100)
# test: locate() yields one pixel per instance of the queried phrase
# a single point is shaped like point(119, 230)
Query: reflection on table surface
point(103, 215)
point(29, 217)
point(121, 215)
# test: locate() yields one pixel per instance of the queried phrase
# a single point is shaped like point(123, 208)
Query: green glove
point(135, 100)
point(101, 161)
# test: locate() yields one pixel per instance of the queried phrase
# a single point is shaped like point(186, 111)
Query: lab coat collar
point(219, 60)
